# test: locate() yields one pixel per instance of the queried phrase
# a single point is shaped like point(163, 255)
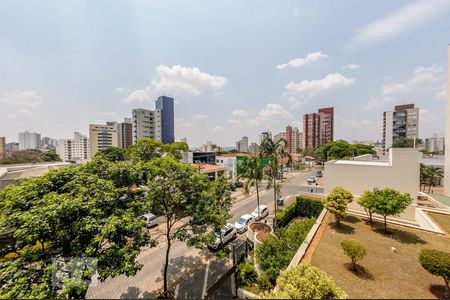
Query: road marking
point(205, 280)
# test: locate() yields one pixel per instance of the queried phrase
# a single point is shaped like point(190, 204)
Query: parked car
point(150, 220)
point(319, 174)
point(311, 179)
point(232, 187)
point(260, 212)
point(242, 223)
point(224, 236)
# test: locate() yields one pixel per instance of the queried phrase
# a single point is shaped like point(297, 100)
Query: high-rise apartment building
point(29, 140)
point(77, 149)
point(318, 128)
point(263, 135)
point(401, 123)
point(125, 133)
point(2, 147)
point(435, 144)
point(253, 148)
point(279, 136)
point(156, 124)
point(293, 138)
point(102, 136)
point(242, 145)
point(165, 105)
point(48, 143)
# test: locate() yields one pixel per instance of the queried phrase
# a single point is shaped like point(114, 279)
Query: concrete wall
point(447, 133)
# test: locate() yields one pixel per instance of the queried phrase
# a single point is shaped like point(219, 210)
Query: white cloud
point(218, 129)
point(177, 80)
point(21, 103)
point(352, 66)
point(120, 90)
point(272, 114)
point(296, 11)
point(239, 113)
point(422, 79)
point(298, 62)
point(400, 21)
point(201, 116)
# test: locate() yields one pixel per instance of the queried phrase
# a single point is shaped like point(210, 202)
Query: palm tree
point(423, 176)
point(276, 152)
point(251, 169)
point(433, 172)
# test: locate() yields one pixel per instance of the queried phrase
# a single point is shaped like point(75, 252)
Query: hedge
point(302, 207)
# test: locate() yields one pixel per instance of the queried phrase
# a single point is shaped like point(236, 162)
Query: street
point(184, 261)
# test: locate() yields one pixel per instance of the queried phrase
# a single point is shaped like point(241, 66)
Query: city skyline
point(56, 81)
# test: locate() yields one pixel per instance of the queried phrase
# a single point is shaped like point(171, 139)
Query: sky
point(235, 68)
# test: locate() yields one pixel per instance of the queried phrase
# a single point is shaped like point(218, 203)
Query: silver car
point(260, 212)
point(242, 223)
point(224, 236)
point(150, 220)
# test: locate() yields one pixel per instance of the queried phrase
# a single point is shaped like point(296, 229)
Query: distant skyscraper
point(318, 128)
point(76, 149)
point(125, 133)
point(156, 124)
point(102, 136)
point(2, 147)
point(242, 145)
point(401, 123)
point(165, 104)
point(265, 134)
point(48, 143)
point(29, 140)
point(435, 144)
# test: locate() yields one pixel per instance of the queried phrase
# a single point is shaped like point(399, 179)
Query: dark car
point(319, 174)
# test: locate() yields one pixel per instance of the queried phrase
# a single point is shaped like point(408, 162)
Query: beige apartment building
point(2, 147)
point(103, 136)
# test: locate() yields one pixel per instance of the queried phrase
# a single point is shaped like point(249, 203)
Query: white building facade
point(146, 124)
point(29, 140)
point(77, 149)
point(230, 163)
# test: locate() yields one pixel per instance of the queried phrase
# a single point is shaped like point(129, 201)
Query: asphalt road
point(184, 261)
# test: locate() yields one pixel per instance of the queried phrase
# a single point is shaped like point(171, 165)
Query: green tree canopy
point(389, 202)
point(178, 192)
point(112, 154)
point(353, 249)
point(251, 169)
point(367, 200)
point(336, 202)
point(305, 282)
point(67, 212)
point(176, 149)
point(342, 150)
point(437, 263)
point(406, 143)
point(145, 150)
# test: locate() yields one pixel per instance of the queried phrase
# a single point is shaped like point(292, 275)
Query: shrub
point(437, 263)
point(336, 202)
point(274, 254)
point(353, 249)
point(305, 282)
point(308, 207)
point(287, 214)
point(247, 273)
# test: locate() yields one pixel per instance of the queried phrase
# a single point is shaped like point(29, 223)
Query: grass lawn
point(384, 273)
point(442, 219)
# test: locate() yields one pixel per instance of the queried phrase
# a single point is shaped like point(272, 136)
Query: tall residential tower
point(318, 128)
point(402, 123)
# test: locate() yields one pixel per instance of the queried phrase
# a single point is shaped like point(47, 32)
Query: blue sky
point(234, 67)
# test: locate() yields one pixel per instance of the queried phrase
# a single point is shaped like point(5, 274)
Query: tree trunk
point(275, 197)
point(166, 265)
point(370, 216)
point(353, 264)
point(385, 224)
point(338, 221)
point(257, 197)
point(447, 289)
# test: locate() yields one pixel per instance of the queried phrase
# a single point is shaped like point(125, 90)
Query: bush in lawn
point(336, 202)
point(247, 273)
point(355, 250)
point(305, 282)
point(308, 207)
point(437, 263)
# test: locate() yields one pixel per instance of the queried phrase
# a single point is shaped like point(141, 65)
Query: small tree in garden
point(437, 263)
point(305, 282)
point(367, 200)
point(355, 250)
point(390, 202)
point(337, 201)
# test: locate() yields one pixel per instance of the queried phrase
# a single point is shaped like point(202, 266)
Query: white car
point(260, 212)
point(242, 223)
point(311, 179)
point(223, 237)
point(150, 220)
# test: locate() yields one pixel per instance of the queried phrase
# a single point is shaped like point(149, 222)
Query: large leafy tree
point(145, 150)
point(251, 169)
point(406, 143)
point(177, 192)
point(342, 150)
point(305, 282)
point(176, 149)
point(336, 202)
point(276, 152)
point(51, 155)
point(112, 154)
point(367, 200)
point(389, 202)
point(67, 213)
